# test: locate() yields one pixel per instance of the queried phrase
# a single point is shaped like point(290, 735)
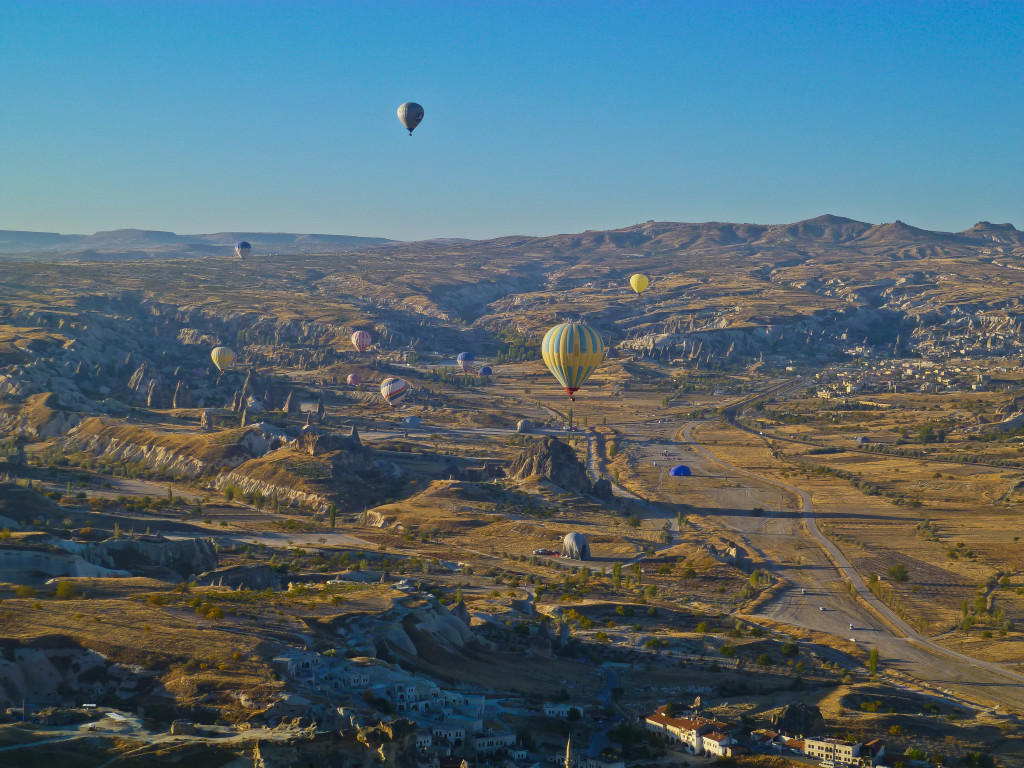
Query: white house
point(687, 731)
point(561, 709)
point(494, 742)
point(717, 744)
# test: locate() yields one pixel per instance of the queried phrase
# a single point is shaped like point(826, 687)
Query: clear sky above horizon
point(540, 117)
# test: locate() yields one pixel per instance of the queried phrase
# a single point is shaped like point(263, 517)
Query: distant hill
point(123, 244)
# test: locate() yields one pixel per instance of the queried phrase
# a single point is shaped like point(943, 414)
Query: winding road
point(818, 598)
point(899, 645)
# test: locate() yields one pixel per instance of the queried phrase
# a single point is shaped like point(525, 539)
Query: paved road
point(824, 583)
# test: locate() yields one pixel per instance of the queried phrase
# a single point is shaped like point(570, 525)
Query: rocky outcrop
point(156, 556)
point(799, 718)
point(23, 565)
point(350, 453)
point(603, 490)
point(154, 394)
point(59, 671)
point(460, 612)
point(254, 577)
point(291, 404)
point(182, 396)
point(409, 628)
point(40, 418)
point(552, 460)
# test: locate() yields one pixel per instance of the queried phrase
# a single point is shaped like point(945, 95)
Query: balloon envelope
point(639, 282)
point(571, 352)
point(411, 115)
point(465, 361)
point(394, 390)
point(223, 358)
point(486, 371)
point(361, 340)
point(243, 249)
point(680, 471)
point(354, 380)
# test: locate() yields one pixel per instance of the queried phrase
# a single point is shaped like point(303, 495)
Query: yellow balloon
point(572, 351)
point(223, 358)
point(639, 282)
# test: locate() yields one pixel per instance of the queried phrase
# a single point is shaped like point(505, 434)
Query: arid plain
point(178, 542)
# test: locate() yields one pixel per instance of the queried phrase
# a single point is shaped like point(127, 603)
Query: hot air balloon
point(680, 471)
point(639, 282)
point(571, 352)
point(243, 249)
point(486, 371)
point(361, 341)
point(411, 115)
point(465, 361)
point(223, 358)
point(354, 380)
point(394, 390)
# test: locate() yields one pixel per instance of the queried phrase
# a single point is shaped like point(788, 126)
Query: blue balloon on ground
point(680, 471)
point(486, 371)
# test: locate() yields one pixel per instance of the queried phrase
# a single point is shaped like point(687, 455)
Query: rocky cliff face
point(174, 559)
point(553, 460)
point(41, 417)
point(799, 718)
point(409, 628)
point(54, 674)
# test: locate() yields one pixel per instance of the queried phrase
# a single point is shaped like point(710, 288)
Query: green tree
point(897, 573)
point(764, 660)
point(332, 511)
point(617, 576)
point(873, 662)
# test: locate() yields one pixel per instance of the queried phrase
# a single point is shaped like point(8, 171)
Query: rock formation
point(155, 556)
point(291, 404)
point(182, 396)
point(154, 394)
point(800, 719)
point(553, 460)
point(603, 490)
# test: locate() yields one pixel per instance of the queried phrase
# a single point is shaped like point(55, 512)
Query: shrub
point(897, 573)
point(66, 590)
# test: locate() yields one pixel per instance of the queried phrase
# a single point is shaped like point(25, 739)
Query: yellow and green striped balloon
point(571, 352)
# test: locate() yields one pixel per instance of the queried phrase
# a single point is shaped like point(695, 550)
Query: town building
point(836, 750)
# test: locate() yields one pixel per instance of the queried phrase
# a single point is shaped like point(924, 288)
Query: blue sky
point(540, 117)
